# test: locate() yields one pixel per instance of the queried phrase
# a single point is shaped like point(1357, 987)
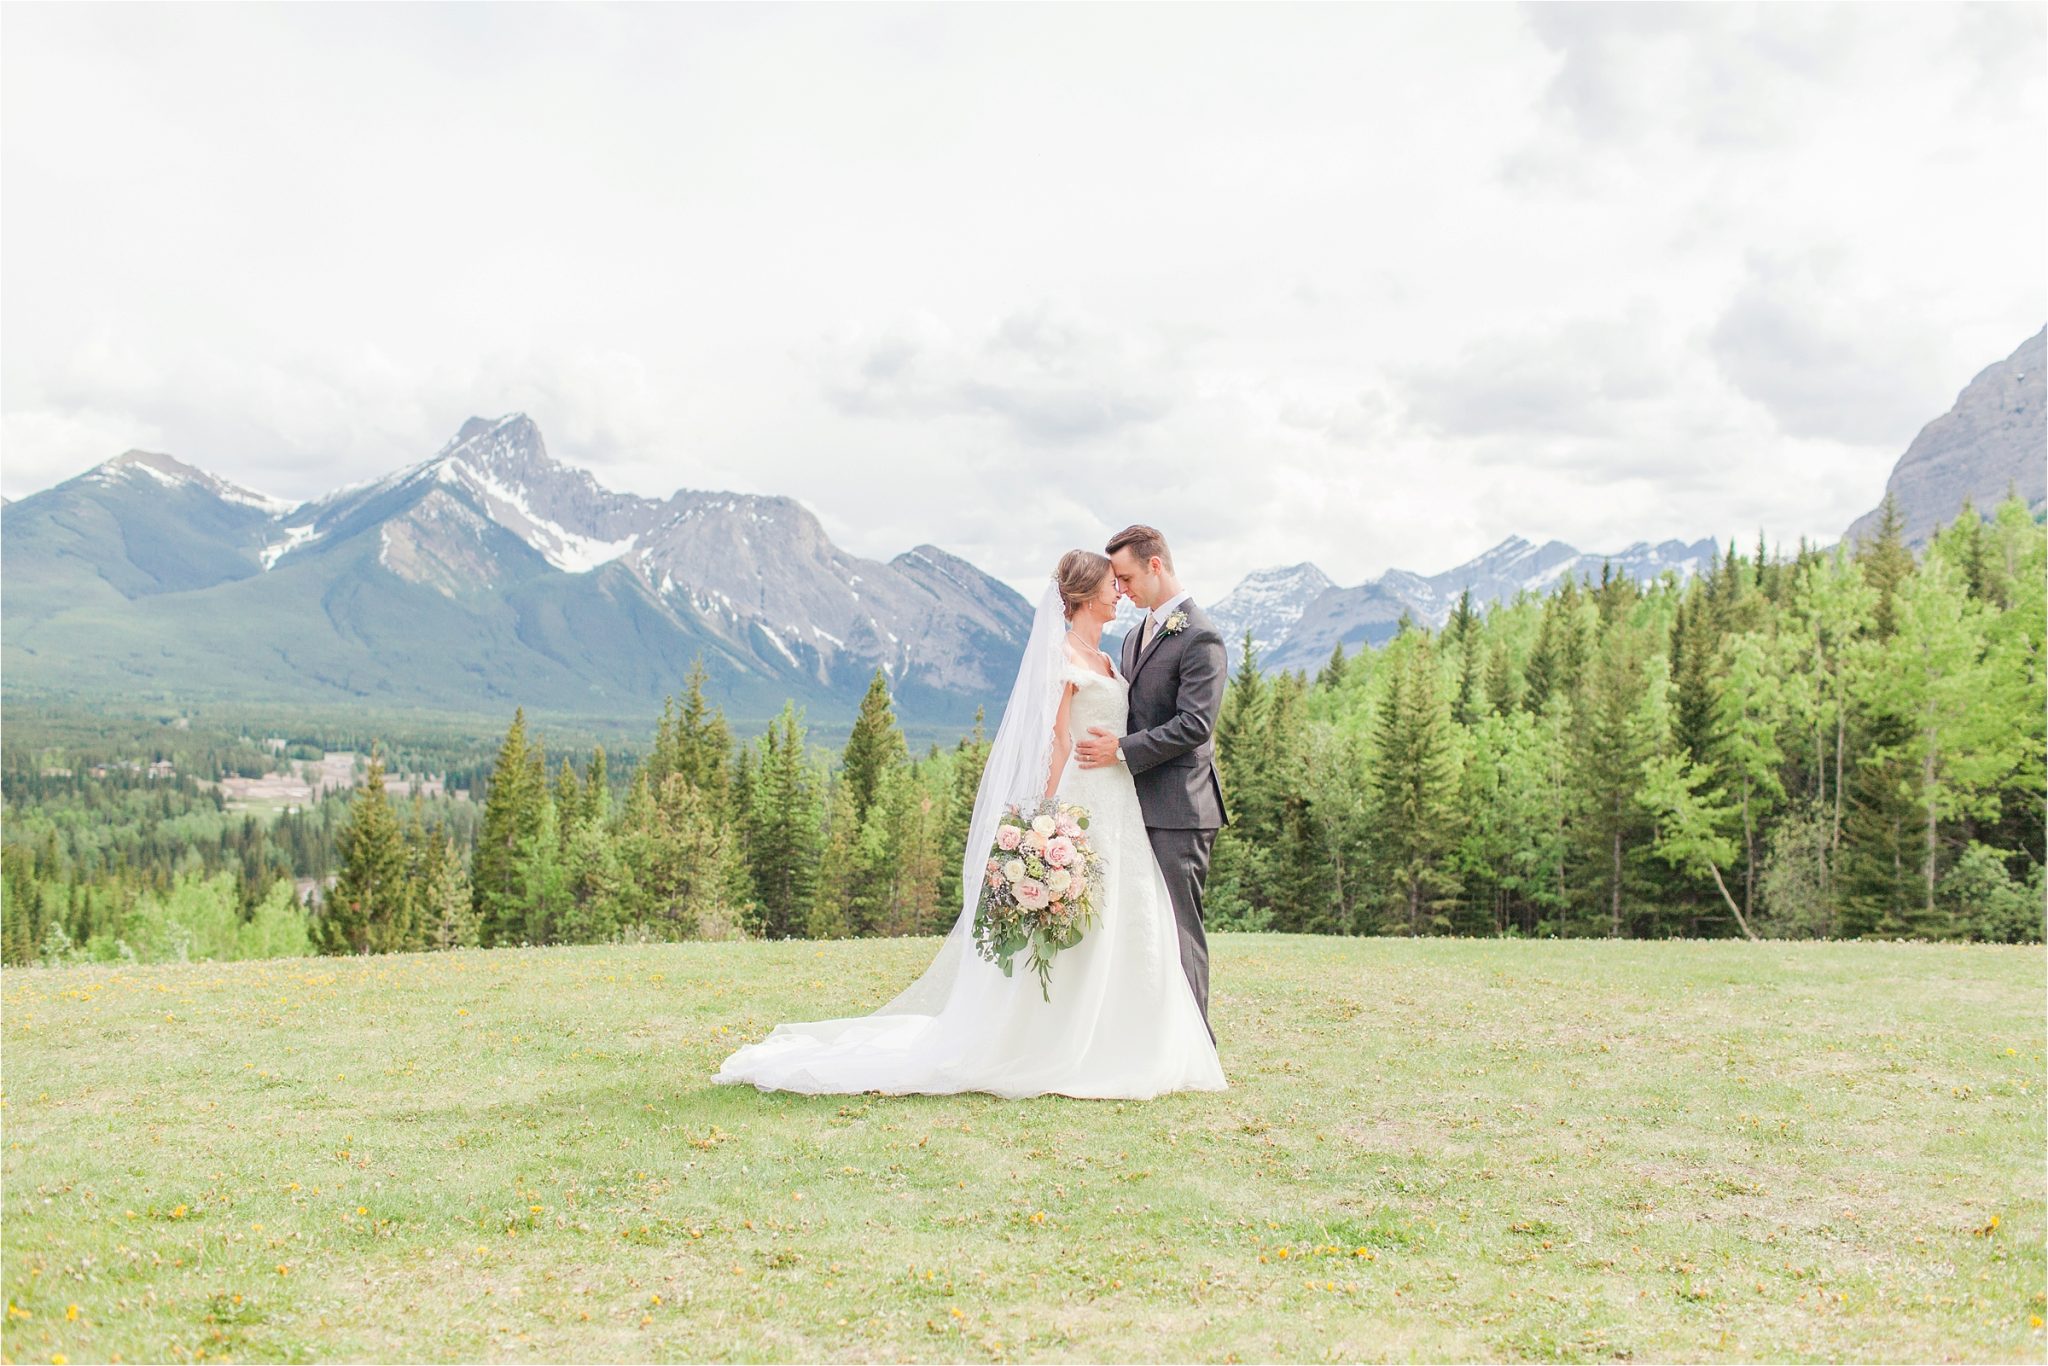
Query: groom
point(1175, 664)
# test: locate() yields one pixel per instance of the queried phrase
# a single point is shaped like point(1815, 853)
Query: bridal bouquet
point(1039, 892)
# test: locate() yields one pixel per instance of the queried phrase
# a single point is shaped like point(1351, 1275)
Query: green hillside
point(1430, 1149)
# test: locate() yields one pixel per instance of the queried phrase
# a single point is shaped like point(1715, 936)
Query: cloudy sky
point(1371, 286)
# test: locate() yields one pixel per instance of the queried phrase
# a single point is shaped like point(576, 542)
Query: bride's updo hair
point(1080, 575)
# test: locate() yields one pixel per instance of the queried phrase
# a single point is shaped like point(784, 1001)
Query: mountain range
point(1298, 615)
point(491, 572)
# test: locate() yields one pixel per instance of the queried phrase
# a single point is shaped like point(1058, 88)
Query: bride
point(1122, 1021)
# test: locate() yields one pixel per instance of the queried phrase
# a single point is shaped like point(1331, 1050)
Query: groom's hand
point(1097, 749)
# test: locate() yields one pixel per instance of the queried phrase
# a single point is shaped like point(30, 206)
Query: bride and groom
point(1128, 1014)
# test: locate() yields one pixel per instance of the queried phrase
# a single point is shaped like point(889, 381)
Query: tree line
point(1843, 743)
point(706, 838)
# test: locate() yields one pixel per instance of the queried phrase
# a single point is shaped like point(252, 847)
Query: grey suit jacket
point(1176, 695)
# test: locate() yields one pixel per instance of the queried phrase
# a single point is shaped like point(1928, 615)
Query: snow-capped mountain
point(490, 568)
point(1297, 615)
point(1268, 602)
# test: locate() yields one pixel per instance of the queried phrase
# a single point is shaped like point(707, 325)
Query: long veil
point(1019, 762)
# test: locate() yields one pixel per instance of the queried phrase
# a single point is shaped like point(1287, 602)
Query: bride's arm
point(1062, 746)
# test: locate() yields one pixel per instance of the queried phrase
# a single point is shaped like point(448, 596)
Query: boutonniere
point(1174, 624)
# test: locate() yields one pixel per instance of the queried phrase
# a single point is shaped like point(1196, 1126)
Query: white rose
point(1058, 880)
point(1044, 825)
point(1014, 870)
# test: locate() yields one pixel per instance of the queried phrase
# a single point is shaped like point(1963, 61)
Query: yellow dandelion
point(71, 1313)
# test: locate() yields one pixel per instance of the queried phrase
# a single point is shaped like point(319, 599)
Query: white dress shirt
point(1157, 617)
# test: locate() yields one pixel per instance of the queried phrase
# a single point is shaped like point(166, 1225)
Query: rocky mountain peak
point(1989, 442)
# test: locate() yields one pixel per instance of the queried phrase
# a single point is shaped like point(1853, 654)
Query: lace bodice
point(1099, 700)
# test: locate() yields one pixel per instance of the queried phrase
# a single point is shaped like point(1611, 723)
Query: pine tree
point(369, 908)
point(597, 793)
point(1332, 676)
point(1542, 671)
point(544, 887)
point(1693, 719)
point(704, 741)
point(568, 798)
point(1886, 562)
point(1501, 693)
point(512, 815)
point(784, 827)
point(447, 919)
point(832, 914)
point(874, 748)
point(1416, 778)
point(1243, 714)
point(1613, 738)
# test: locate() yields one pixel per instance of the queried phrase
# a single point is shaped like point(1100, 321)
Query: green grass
point(1433, 1149)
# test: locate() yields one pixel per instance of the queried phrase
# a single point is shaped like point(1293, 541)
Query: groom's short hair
point(1142, 541)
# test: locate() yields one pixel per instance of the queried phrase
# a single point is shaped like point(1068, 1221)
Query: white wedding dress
point(1122, 1021)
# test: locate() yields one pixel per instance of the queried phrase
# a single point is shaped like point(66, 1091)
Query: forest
point(1841, 743)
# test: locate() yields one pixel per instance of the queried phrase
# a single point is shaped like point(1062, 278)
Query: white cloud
point(1365, 285)
point(1828, 355)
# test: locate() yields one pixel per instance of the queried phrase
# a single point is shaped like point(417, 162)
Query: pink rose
point(1069, 827)
point(1034, 840)
point(1007, 837)
point(1077, 889)
point(1031, 894)
point(1059, 851)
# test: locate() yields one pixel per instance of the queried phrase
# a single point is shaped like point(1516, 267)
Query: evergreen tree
point(542, 867)
point(1615, 733)
point(447, 920)
point(704, 743)
point(833, 912)
point(1694, 726)
point(1332, 676)
point(784, 826)
point(597, 793)
point(1416, 778)
point(512, 816)
point(369, 909)
point(1501, 692)
point(1886, 562)
point(875, 747)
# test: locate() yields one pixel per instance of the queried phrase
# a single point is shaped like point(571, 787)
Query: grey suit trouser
point(1184, 858)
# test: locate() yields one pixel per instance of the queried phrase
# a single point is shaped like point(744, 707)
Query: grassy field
point(1429, 1149)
